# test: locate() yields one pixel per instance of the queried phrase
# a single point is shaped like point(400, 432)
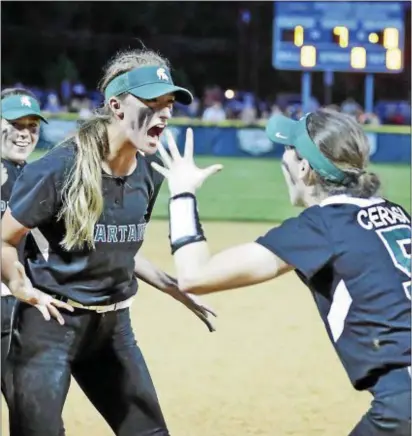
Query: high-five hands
point(21, 287)
point(181, 172)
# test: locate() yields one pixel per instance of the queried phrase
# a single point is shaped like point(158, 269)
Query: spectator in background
point(66, 92)
point(350, 106)
point(367, 118)
point(53, 104)
point(333, 107)
point(190, 111)
point(396, 118)
point(194, 108)
point(214, 113)
point(267, 110)
point(80, 103)
point(212, 101)
point(249, 113)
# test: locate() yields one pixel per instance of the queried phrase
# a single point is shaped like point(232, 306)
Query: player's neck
point(121, 160)
point(313, 199)
point(13, 161)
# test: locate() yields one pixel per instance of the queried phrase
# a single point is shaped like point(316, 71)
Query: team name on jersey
point(381, 216)
point(123, 233)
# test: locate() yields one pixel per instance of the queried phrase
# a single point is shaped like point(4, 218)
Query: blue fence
point(388, 144)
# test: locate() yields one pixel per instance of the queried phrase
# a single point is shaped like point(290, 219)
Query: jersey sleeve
point(301, 242)
point(36, 194)
point(157, 184)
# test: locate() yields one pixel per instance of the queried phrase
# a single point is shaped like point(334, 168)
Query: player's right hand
point(181, 172)
point(21, 287)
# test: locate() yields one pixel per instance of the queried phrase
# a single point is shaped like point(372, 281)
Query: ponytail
point(82, 190)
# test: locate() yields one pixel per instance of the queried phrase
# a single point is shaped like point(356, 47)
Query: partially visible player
point(350, 247)
point(20, 127)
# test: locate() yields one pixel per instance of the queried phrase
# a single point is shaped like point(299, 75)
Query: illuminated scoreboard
point(339, 36)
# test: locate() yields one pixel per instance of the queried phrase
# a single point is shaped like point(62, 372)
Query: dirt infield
point(268, 370)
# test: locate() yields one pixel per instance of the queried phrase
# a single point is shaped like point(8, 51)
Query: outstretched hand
point(21, 288)
point(181, 172)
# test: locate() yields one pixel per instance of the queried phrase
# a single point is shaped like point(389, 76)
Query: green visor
point(19, 106)
point(295, 133)
point(147, 82)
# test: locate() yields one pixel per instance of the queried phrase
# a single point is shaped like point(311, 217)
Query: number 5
point(397, 241)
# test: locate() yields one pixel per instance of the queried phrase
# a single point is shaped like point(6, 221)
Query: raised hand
point(181, 172)
point(21, 287)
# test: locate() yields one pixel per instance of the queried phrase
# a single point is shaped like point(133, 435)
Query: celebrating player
point(20, 126)
point(350, 247)
point(91, 198)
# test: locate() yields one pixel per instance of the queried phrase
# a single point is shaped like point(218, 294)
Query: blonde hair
point(343, 141)
point(82, 190)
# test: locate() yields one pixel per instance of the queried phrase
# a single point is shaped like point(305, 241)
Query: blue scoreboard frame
point(337, 36)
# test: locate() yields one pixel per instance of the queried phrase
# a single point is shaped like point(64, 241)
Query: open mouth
point(156, 131)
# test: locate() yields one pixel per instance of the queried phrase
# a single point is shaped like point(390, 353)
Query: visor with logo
point(147, 82)
point(286, 131)
point(19, 106)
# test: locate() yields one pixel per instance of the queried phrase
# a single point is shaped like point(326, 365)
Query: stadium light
point(229, 94)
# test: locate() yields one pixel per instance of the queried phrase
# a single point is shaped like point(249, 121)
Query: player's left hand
point(181, 172)
point(194, 304)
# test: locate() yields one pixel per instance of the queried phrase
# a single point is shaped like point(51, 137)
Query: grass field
point(254, 190)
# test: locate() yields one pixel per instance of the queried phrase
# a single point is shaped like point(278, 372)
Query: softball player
point(350, 247)
point(20, 126)
point(91, 199)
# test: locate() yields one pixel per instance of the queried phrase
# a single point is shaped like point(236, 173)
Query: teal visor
point(147, 83)
point(295, 133)
point(19, 106)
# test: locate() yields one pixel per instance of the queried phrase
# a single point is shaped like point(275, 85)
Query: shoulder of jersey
point(9, 165)
point(59, 157)
point(312, 212)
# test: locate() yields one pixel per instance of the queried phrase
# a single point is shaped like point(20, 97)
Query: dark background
point(208, 43)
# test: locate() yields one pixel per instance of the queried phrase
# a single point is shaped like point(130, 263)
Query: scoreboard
point(364, 36)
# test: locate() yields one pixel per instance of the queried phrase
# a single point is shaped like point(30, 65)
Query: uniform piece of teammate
point(91, 198)
point(20, 127)
point(350, 247)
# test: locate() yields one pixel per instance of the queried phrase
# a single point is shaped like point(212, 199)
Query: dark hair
point(8, 92)
point(343, 141)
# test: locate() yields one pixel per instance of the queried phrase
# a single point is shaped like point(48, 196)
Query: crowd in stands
point(217, 105)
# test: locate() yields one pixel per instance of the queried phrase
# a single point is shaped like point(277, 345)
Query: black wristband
point(184, 223)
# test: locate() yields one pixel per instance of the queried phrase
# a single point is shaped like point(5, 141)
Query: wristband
point(184, 224)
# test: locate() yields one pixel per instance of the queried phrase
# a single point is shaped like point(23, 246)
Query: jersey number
point(397, 241)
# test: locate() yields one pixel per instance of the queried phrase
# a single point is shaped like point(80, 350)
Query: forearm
point(152, 275)
point(12, 233)
point(9, 257)
point(200, 273)
point(190, 263)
